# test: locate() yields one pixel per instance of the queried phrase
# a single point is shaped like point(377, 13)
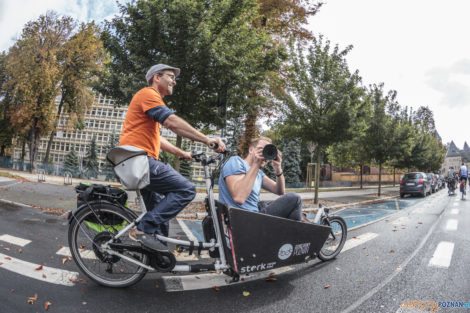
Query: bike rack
point(41, 176)
point(67, 178)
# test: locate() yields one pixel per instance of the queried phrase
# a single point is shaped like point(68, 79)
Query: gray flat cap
point(160, 67)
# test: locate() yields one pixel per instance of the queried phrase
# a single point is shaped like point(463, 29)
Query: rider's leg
point(178, 193)
point(287, 206)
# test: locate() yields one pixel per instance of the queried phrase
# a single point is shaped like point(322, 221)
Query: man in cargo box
point(146, 113)
point(241, 180)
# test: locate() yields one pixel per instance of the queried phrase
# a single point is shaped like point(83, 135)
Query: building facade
point(455, 157)
point(101, 121)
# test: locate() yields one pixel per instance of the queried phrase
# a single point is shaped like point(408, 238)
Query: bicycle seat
point(122, 153)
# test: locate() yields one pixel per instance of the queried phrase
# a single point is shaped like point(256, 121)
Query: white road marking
point(359, 240)
point(452, 224)
point(401, 220)
point(85, 254)
point(209, 280)
point(15, 240)
point(46, 274)
point(187, 231)
point(442, 255)
point(454, 211)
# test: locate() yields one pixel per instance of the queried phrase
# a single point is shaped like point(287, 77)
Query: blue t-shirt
point(235, 166)
point(463, 171)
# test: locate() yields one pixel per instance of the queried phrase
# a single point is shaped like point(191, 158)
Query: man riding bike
point(141, 129)
point(463, 174)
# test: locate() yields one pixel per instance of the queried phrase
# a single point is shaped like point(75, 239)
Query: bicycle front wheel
point(336, 239)
point(88, 230)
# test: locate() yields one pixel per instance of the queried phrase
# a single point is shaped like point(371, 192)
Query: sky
point(419, 48)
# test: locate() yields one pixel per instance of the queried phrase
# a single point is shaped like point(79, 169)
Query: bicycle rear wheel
point(336, 239)
point(89, 230)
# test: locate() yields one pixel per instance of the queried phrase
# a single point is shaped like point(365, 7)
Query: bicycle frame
point(219, 265)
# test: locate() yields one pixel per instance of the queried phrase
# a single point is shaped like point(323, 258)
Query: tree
point(113, 141)
point(326, 100)
point(81, 58)
point(71, 161)
point(222, 57)
point(291, 161)
point(381, 133)
point(186, 167)
point(34, 70)
point(6, 131)
point(91, 159)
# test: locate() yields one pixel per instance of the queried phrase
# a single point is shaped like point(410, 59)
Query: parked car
point(440, 182)
point(415, 183)
point(433, 180)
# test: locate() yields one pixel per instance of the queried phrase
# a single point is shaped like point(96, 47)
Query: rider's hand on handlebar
point(216, 144)
point(186, 156)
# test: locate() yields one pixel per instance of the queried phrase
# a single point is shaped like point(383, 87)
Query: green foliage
point(113, 141)
point(71, 161)
point(291, 161)
point(186, 167)
point(221, 56)
point(91, 159)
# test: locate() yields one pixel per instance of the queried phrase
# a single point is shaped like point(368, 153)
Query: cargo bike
point(238, 241)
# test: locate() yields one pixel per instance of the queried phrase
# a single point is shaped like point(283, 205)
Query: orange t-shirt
point(139, 129)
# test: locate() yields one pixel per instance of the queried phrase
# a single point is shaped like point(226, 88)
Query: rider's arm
point(167, 146)
point(241, 185)
point(277, 187)
point(179, 126)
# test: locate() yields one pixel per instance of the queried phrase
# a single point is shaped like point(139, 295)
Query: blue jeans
point(168, 193)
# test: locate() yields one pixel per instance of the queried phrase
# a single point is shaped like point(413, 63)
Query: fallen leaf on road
point(364, 248)
point(383, 262)
point(38, 268)
point(398, 267)
point(156, 286)
point(420, 223)
point(242, 279)
point(60, 246)
point(7, 249)
point(83, 281)
point(367, 254)
point(12, 290)
point(82, 246)
point(394, 229)
point(70, 258)
point(20, 250)
point(1, 263)
point(122, 270)
point(47, 305)
point(355, 237)
point(7, 258)
point(197, 277)
point(64, 260)
point(327, 286)
point(73, 280)
point(246, 293)
point(270, 278)
point(32, 299)
point(44, 276)
point(361, 282)
point(216, 288)
point(392, 251)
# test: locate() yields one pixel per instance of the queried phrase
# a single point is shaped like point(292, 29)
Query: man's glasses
point(172, 76)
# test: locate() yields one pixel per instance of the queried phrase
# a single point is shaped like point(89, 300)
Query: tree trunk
point(54, 130)
point(33, 145)
point(362, 169)
point(179, 141)
point(250, 132)
point(317, 175)
point(394, 176)
point(380, 178)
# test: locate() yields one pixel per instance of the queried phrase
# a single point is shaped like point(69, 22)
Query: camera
point(270, 152)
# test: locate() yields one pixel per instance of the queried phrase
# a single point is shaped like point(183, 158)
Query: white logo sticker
point(285, 251)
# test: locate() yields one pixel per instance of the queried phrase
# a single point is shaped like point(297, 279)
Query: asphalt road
point(416, 254)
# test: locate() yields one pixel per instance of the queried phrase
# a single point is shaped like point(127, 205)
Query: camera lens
point(270, 152)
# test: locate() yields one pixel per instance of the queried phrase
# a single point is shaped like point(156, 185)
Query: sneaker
point(147, 240)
